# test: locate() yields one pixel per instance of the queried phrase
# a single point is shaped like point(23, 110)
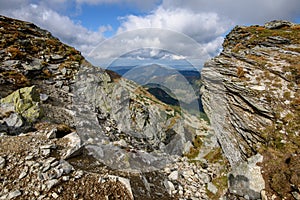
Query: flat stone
point(52, 134)
point(51, 183)
point(169, 186)
point(54, 195)
point(65, 166)
point(24, 172)
point(44, 97)
point(14, 120)
point(78, 174)
point(296, 195)
point(14, 194)
point(173, 176)
point(2, 162)
point(212, 188)
point(48, 146)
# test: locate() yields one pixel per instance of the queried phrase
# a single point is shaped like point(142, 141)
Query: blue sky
point(190, 30)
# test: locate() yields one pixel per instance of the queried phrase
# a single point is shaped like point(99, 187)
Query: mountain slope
point(251, 95)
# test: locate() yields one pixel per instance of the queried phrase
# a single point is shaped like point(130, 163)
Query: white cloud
point(174, 34)
point(60, 26)
point(242, 11)
point(141, 4)
point(199, 26)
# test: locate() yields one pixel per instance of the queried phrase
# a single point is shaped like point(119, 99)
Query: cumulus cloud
point(242, 11)
point(60, 26)
point(174, 33)
point(154, 43)
point(144, 5)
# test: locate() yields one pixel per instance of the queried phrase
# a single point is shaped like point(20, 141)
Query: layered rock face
point(251, 95)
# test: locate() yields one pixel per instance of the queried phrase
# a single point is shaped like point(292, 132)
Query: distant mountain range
point(171, 86)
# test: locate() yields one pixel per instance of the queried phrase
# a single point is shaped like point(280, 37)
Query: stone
point(52, 134)
point(296, 195)
point(169, 186)
point(46, 152)
point(74, 146)
point(205, 178)
point(51, 183)
point(277, 24)
point(44, 97)
point(14, 194)
point(54, 195)
point(14, 120)
point(2, 162)
point(65, 178)
point(173, 176)
point(65, 166)
point(246, 179)
point(78, 174)
point(24, 172)
point(212, 188)
point(26, 103)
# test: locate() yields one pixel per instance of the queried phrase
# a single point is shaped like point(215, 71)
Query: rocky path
point(32, 166)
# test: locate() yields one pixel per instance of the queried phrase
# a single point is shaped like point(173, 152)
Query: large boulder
point(25, 102)
point(246, 180)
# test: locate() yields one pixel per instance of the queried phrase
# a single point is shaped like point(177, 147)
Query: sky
point(142, 31)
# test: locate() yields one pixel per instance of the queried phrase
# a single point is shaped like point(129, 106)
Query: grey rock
point(173, 176)
point(55, 163)
point(169, 186)
point(78, 174)
point(48, 146)
point(14, 120)
point(54, 195)
point(2, 162)
point(296, 195)
point(65, 178)
point(108, 109)
point(52, 134)
point(44, 97)
point(29, 157)
point(205, 178)
point(75, 146)
point(24, 172)
point(46, 152)
point(14, 194)
point(51, 183)
point(237, 106)
point(246, 178)
point(212, 188)
point(56, 57)
point(66, 88)
point(65, 166)
point(276, 24)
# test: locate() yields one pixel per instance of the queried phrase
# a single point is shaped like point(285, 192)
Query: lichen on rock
point(25, 102)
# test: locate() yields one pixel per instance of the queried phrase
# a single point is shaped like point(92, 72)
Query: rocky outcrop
point(251, 96)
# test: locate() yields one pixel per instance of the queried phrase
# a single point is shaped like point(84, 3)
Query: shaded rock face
point(251, 96)
point(126, 127)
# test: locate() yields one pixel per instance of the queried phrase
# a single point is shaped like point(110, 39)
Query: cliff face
point(251, 95)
